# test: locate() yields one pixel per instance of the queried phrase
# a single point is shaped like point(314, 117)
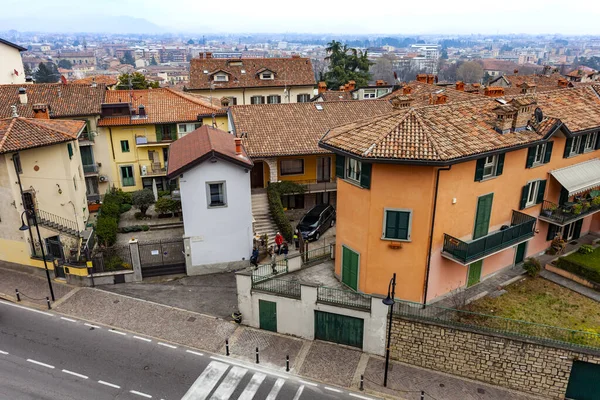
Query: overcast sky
point(336, 16)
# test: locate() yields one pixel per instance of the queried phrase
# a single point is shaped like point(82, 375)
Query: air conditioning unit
point(103, 178)
point(144, 170)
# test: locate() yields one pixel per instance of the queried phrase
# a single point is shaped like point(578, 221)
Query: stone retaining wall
point(521, 365)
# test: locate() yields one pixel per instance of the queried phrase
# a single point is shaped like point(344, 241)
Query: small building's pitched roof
point(162, 105)
point(27, 133)
point(204, 143)
point(423, 93)
point(293, 71)
point(108, 80)
point(333, 95)
point(16, 46)
point(71, 100)
point(269, 130)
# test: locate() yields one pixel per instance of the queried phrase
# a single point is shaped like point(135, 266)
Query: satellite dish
point(539, 115)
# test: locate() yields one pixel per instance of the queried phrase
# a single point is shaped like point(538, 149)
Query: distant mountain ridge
point(84, 23)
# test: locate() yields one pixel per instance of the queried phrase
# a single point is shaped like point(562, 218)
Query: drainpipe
point(435, 196)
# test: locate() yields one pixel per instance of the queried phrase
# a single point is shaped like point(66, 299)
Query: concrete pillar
point(243, 281)
point(308, 294)
point(187, 248)
point(136, 264)
point(376, 332)
point(272, 163)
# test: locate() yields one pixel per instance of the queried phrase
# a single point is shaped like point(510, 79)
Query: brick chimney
point(399, 102)
point(207, 55)
point(524, 106)
point(41, 111)
point(351, 85)
point(238, 146)
point(563, 83)
point(460, 86)
point(494, 91)
point(379, 82)
point(422, 78)
point(516, 72)
point(439, 98)
point(295, 55)
point(22, 95)
point(505, 115)
point(346, 87)
point(431, 79)
point(322, 87)
point(406, 90)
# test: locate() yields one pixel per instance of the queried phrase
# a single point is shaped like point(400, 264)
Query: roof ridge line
point(191, 99)
point(34, 122)
point(427, 130)
point(8, 130)
point(386, 134)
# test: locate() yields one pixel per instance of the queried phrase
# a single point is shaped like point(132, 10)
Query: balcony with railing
point(90, 169)
point(521, 228)
point(153, 169)
point(161, 140)
point(86, 139)
point(568, 212)
point(318, 185)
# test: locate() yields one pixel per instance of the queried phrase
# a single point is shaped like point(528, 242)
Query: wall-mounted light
point(59, 189)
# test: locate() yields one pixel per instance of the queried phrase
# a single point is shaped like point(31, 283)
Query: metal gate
point(584, 382)
point(162, 257)
point(339, 329)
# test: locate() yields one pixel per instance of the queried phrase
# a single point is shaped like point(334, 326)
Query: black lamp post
point(389, 301)
point(25, 227)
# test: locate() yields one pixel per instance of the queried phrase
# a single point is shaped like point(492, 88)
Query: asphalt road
point(44, 355)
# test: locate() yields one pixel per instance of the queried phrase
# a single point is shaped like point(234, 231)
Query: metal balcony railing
point(521, 228)
point(56, 222)
point(568, 212)
point(315, 185)
point(86, 137)
point(90, 169)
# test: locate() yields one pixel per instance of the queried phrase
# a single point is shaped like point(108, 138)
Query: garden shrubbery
point(532, 266)
point(274, 193)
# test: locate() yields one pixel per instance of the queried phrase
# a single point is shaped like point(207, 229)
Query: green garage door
point(339, 329)
point(349, 268)
point(584, 383)
point(267, 315)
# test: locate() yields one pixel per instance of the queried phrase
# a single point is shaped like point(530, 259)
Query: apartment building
point(11, 64)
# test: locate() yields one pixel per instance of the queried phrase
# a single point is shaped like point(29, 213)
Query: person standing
point(296, 239)
point(254, 257)
point(284, 250)
point(278, 242)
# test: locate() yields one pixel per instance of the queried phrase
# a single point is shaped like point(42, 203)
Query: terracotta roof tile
point(162, 106)
point(108, 80)
point(288, 72)
point(26, 133)
point(71, 100)
point(422, 93)
point(194, 147)
point(294, 129)
point(334, 95)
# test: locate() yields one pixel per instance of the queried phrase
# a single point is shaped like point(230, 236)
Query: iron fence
point(265, 271)
point(280, 286)
point(115, 258)
point(320, 253)
point(493, 324)
point(344, 298)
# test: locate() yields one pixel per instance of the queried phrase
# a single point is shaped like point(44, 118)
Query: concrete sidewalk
point(322, 361)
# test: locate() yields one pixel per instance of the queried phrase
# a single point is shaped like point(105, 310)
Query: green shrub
point(577, 209)
point(586, 249)
point(138, 215)
point(126, 197)
point(163, 193)
point(125, 207)
point(145, 228)
point(175, 206)
point(532, 266)
point(106, 230)
point(163, 205)
point(578, 269)
point(276, 207)
point(113, 263)
point(596, 201)
point(142, 200)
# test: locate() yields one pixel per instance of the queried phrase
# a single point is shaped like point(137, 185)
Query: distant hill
point(82, 23)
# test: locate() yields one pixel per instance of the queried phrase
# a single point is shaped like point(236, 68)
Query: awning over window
point(580, 177)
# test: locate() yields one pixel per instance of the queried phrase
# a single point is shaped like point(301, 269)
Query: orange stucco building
point(446, 195)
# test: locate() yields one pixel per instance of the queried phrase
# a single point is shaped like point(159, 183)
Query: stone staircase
point(263, 222)
point(57, 223)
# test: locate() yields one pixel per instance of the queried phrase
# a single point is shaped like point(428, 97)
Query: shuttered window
point(70, 150)
point(538, 155)
point(532, 194)
point(396, 224)
point(488, 167)
point(291, 167)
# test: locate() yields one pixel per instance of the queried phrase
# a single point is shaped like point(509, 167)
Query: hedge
point(578, 269)
point(106, 229)
point(274, 193)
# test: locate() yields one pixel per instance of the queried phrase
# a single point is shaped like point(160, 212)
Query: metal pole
point(226, 347)
point(389, 336)
point(422, 395)
point(48, 301)
point(37, 228)
point(18, 295)
point(257, 355)
point(362, 382)
point(287, 363)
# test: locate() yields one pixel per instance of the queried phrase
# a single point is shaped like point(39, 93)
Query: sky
point(400, 17)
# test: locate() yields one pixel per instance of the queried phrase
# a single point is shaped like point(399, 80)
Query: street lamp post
point(389, 301)
point(25, 227)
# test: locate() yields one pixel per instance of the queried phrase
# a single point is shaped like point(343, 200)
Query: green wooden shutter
point(564, 196)
point(482, 217)
point(340, 165)
point(581, 145)
point(479, 169)
point(391, 224)
point(70, 150)
point(403, 219)
point(500, 166)
point(548, 153)
point(577, 231)
point(530, 157)
point(552, 229)
point(349, 268)
point(365, 175)
point(568, 145)
point(159, 135)
point(541, 191)
point(524, 194)
point(597, 146)
point(173, 131)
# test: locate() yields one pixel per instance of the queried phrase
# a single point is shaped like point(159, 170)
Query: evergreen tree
point(47, 73)
point(153, 61)
point(66, 64)
point(137, 81)
point(128, 59)
point(346, 64)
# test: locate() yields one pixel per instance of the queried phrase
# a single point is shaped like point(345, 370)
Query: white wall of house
point(10, 60)
point(220, 238)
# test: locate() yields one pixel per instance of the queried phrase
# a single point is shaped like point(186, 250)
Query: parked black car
point(316, 221)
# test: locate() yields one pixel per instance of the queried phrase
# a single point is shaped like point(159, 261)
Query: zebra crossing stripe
point(206, 381)
point(276, 388)
point(299, 393)
point(229, 384)
point(252, 387)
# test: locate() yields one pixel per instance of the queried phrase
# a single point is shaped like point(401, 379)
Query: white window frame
point(274, 96)
point(490, 162)
point(261, 98)
point(266, 75)
point(223, 189)
point(408, 234)
point(305, 97)
point(575, 146)
point(590, 142)
point(540, 152)
point(369, 93)
point(187, 128)
point(532, 194)
point(352, 169)
point(293, 173)
point(221, 77)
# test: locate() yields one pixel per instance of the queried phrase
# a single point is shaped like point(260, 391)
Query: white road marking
point(109, 384)
point(332, 389)
point(358, 396)
point(26, 308)
point(249, 367)
point(206, 381)
point(142, 338)
point(92, 326)
point(40, 363)
point(117, 332)
point(252, 387)
point(167, 345)
point(299, 393)
point(3, 352)
point(66, 371)
point(227, 387)
point(194, 352)
point(276, 388)
point(308, 383)
point(68, 319)
point(140, 394)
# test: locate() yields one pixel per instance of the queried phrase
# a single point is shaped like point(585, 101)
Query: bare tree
point(383, 69)
point(470, 72)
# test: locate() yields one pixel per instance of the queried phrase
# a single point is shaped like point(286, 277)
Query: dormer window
point(266, 75)
point(221, 77)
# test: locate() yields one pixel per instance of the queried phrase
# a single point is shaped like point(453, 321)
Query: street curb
point(8, 298)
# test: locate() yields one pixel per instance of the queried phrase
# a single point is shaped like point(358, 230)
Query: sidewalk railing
point(265, 271)
point(344, 298)
point(280, 286)
point(494, 324)
point(320, 253)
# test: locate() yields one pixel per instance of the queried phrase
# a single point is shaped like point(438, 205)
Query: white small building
point(214, 179)
point(11, 63)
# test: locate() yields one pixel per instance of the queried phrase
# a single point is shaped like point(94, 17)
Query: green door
point(482, 217)
point(339, 329)
point(349, 268)
point(584, 382)
point(520, 253)
point(267, 312)
point(474, 273)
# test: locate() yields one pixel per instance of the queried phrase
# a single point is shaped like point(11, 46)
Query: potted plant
point(576, 210)
point(550, 210)
point(585, 205)
point(596, 201)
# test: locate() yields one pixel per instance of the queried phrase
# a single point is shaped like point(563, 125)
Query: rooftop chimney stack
point(41, 111)
point(351, 85)
point(431, 79)
point(460, 86)
point(406, 90)
point(528, 88)
point(238, 146)
point(524, 106)
point(94, 84)
point(422, 78)
point(505, 115)
point(494, 91)
point(14, 111)
point(400, 102)
point(142, 111)
point(22, 95)
point(379, 82)
point(322, 87)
